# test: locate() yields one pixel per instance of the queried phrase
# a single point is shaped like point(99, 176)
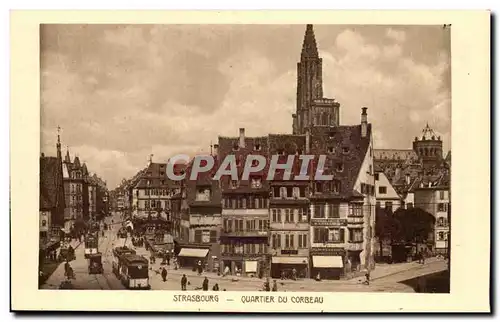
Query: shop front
point(283, 266)
point(250, 266)
point(327, 263)
point(190, 257)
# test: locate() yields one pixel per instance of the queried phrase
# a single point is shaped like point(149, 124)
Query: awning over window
point(328, 262)
point(193, 252)
point(251, 266)
point(289, 260)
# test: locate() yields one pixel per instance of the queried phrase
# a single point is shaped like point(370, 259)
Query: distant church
point(403, 167)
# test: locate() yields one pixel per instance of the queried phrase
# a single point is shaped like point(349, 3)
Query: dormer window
point(339, 167)
point(234, 184)
point(203, 194)
point(281, 151)
point(236, 147)
point(257, 147)
point(345, 150)
point(256, 183)
point(331, 149)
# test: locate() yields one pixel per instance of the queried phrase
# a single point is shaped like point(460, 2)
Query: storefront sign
point(329, 222)
point(289, 252)
point(327, 251)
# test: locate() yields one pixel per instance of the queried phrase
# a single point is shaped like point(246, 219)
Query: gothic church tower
point(313, 110)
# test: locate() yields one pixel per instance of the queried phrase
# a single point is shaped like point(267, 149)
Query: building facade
point(289, 226)
point(73, 189)
point(387, 197)
point(201, 222)
point(152, 193)
point(245, 213)
point(432, 194)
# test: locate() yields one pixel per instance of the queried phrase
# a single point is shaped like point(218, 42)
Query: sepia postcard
point(250, 162)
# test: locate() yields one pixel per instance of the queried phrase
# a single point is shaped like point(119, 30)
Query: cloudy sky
point(123, 92)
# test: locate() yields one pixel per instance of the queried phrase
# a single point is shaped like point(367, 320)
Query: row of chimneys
point(364, 132)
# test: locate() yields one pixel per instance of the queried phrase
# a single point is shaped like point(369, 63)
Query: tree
point(416, 224)
point(387, 228)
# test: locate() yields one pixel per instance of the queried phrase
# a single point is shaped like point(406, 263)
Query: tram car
point(132, 270)
point(118, 252)
point(91, 245)
point(95, 264)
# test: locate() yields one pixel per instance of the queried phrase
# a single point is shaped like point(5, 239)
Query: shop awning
point(289, 260)
point(193, 252)
point(251, 266)
point(328, 261)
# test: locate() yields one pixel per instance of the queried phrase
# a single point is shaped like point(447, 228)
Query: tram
point(91, 244)
point(131, 269)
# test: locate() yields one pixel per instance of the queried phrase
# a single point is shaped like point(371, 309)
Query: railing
point(246, 233)
point(355, 220)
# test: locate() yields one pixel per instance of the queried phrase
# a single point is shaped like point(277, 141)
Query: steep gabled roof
point(342, 145)
point(156, 175)
point(50, 183)
point(345, 148)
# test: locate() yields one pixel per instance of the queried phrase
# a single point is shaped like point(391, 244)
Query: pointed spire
point(76, 162)
point(58, 145)
point(309, 47)
point(67, 158)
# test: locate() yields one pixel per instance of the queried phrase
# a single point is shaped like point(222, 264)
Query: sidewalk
point(384, 270)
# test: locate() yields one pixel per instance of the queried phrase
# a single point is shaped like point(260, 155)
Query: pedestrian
point(66, 268)
point(275, 286)
point(367, 276)
point(168, 259)
point(226, 271)
point(200, 268)
point(216, 287)
point(282, 274)
point(205, 284)
point(294, 274)
point(183, 282)
point(267, 285)
point(164, 274)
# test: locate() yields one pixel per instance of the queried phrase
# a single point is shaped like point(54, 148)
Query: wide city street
point(385, 278)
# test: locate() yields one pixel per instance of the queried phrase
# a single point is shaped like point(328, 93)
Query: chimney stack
point(308, 140)
point(294, 124)
point(364, 122)
point(216, 149)
point(242, 137)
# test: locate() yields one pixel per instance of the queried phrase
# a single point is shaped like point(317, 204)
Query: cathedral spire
point(58, 145)
point(309, 47)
